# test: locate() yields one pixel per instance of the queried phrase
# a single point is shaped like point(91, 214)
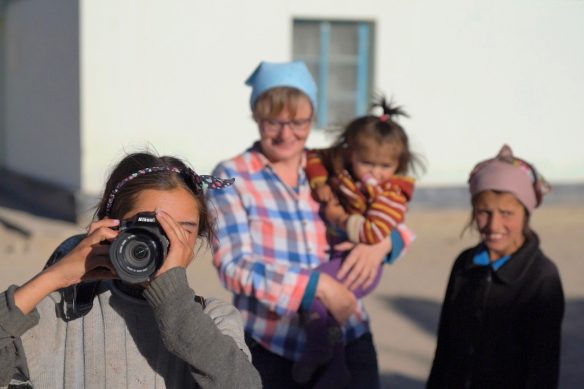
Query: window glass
point(338, 54)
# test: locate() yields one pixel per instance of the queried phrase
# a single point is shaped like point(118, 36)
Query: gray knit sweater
point(164, 341)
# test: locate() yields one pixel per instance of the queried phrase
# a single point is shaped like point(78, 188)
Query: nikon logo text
point(146, 219)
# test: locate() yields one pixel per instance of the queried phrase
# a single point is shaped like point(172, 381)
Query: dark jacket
point(500, 329)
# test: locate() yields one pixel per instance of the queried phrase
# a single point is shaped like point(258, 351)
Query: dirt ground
point(404, 308)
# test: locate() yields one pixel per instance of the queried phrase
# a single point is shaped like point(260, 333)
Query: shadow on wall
point(425, 315)
point(37, 197)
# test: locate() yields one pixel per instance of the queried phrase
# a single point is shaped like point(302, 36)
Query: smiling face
point(501, 221)
point(284, 136)
point(370, 158)
point(179, 203)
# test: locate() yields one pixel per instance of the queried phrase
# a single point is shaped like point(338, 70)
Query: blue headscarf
point(269, 75)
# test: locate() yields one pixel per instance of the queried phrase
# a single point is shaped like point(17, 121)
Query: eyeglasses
point(273, 126)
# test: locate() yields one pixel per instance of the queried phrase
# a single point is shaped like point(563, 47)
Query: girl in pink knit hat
point(500, 325)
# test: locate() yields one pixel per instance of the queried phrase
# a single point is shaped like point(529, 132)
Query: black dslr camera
point(140, 248)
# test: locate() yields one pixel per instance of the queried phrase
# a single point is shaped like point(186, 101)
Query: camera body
point(140, 248)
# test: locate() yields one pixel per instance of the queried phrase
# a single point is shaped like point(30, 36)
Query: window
point(338, 54)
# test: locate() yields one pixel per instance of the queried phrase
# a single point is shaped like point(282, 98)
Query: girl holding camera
point(76, 324)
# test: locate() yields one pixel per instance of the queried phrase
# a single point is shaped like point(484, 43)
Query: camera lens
point(136, 256)
point(140, 251)
point(137, 252)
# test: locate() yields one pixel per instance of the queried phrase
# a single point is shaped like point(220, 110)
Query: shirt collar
point(482, 258)
point(516, 268)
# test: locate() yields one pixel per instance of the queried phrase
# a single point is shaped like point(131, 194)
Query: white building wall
point(473, 75)
point(41, 90)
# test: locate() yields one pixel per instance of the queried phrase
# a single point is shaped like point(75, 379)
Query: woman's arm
point(210, 341)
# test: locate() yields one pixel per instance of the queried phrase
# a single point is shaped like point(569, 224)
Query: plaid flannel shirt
point(269, 238)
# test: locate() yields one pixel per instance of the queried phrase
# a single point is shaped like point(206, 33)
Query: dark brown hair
point(382, 129)
point(124, 199)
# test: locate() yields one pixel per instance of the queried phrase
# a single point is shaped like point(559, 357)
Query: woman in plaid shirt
point(270, 238)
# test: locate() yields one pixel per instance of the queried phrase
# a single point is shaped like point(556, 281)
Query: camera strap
point(201, 300)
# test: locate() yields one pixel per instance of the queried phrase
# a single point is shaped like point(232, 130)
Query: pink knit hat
point(509, 174)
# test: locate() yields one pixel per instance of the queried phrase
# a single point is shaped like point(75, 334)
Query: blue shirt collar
point(482, 258)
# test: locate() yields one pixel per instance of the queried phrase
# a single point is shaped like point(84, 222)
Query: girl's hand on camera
point(88, 261)
point(182, 242)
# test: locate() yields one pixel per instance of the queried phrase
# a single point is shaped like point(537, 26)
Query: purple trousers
point(324, 352)
point(323, 319)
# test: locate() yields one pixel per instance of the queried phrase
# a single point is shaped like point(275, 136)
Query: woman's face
point(500, 219)
point(179, 203)
point(283, 138)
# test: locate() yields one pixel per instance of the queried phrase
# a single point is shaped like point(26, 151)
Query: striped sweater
point(375, 208)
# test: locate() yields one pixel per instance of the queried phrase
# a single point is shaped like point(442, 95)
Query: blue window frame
point(339, 55)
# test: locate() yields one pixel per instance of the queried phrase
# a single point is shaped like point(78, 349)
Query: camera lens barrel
point(137, 254)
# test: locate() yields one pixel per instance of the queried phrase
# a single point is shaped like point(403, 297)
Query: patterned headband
point(199, 182)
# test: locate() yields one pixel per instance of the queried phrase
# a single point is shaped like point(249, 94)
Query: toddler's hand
point(368, 179)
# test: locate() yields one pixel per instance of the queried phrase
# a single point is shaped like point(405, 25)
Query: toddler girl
point(362, 185)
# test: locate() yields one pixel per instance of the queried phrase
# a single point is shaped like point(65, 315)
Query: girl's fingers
point(181, 248)
point(99, 235)
point(108, 223)
point(169, 225)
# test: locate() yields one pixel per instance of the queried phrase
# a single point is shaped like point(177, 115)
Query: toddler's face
point(378, 161)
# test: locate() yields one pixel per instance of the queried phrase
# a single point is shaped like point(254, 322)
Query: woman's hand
point(339, 300)
point(362, 264)
point(89, 260)
point(182, 243)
